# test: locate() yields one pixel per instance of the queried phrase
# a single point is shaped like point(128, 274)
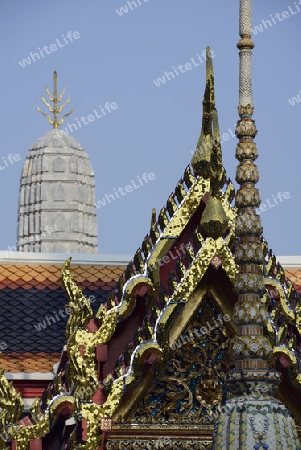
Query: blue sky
point(116, 58)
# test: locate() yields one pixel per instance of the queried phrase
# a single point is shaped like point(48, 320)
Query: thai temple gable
point(57, 209)
point(194, 344)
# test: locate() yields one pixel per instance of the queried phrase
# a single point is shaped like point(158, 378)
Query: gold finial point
point(201, 160)
point(55, 99)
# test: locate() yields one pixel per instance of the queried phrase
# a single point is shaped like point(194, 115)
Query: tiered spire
point(57, 204)
point(253, 419)
point(251, 348)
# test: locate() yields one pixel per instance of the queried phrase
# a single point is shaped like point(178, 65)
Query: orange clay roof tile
point(29, 362)
point(5, 273)
point(295, 277)
point(27, 277)
point(106, 271)
point(14, 277)
point(52, 269)
point(106, 279)
point(79, 278)
point(49, 276)
point(93, 278)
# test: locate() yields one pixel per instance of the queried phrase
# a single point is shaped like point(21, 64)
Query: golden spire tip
point(55, 99)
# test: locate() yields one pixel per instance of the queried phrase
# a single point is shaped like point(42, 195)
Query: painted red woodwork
point(30, 388)
point(25, 421)
point(178, 248)
point(84, 430)
point(35, 444)
point(124, 333)
point(285, 361)
point(102, 353)
point(92, 325)
point(99, 397)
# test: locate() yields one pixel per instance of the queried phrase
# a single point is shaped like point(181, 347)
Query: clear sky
point(116, 56)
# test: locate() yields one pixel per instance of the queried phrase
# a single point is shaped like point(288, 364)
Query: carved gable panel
point(191, 388)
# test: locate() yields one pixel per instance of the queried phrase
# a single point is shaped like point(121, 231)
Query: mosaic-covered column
point(252, 417)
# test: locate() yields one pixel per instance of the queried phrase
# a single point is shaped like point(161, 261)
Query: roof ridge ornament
point(55, 99)
point(201, 159)
point(207, 160)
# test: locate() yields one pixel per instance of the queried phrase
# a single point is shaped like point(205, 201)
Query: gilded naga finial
point(55, 99)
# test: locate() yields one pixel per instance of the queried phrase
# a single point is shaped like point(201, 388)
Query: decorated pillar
point(252, 417)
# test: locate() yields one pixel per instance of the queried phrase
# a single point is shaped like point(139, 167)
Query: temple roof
point(31, 291)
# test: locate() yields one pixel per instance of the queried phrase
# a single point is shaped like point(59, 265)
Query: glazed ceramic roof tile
point(33, 317)
point(31, 298)
point(34, 320)
point(295, 276)
point(29, 362)
point(41, 276)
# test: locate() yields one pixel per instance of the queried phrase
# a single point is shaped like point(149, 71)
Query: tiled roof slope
point(29, 362)
point(295, 276)
point(39, 276)
point(31, 298)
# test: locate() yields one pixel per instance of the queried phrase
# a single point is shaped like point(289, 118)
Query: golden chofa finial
point(55, 110)
point(201, 160)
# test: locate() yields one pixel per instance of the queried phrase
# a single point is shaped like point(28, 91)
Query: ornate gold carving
point(207, 160)
point(209, 392)
point(190, 386)
point(246, 150)
point(249, 282)
point(247, 172)
point(248, 224)
point(81, 346)
point(247, 196)
point(12, 431)
point(79, 307)
point(249, 252)
point(251, 347)
point(286, 310)
point(250, 312)
point(153, 218)
point(200, 265)
point(172, 228)
point(246, 128)
point(55, 110)
point(11, 407)
point(214, 220)
point(245, 42)
point(155, 443)
point(192, 200)
point(229, 194)
point(128, 297)
point(247, 110)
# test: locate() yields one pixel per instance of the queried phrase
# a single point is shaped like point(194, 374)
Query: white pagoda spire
point(57, 205)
